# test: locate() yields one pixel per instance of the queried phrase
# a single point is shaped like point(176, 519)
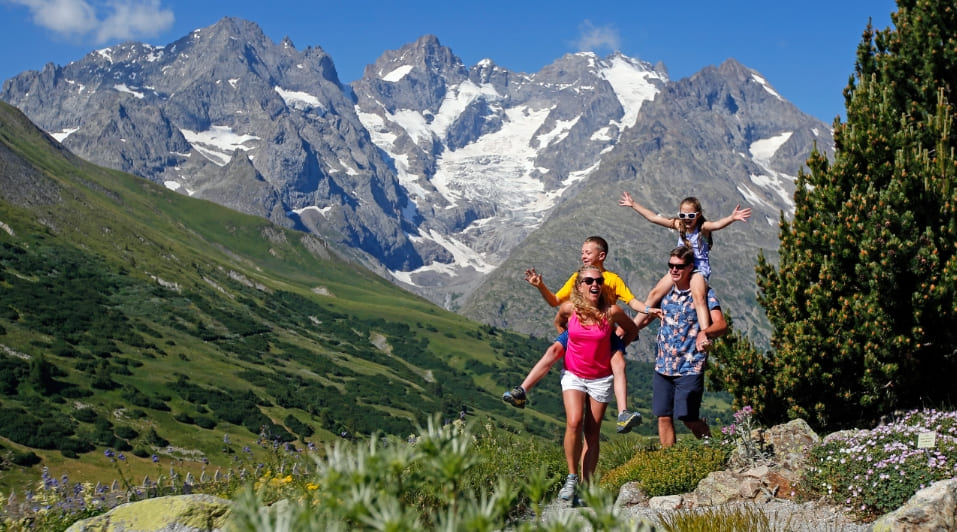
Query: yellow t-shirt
point(613, 283)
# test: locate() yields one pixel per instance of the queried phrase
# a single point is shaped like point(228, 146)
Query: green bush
point(126, 432)
point(25, 459)
point(670, 471)
point(86, 415)
point(205, 422)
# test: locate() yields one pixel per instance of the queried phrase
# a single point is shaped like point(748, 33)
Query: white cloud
point(100, 20)
point(593, 38)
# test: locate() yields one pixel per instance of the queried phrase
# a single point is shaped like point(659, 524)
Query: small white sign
point(926, 440)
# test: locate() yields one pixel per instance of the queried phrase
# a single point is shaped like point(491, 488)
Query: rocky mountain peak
point(429, 172)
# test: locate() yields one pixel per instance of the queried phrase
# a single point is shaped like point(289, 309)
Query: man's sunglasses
point(678, 266)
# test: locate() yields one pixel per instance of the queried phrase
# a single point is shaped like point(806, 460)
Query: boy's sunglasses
point(687, 215)
point(589, 280)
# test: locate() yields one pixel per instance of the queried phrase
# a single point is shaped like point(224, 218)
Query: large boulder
point(179, 513)
point(932, 508)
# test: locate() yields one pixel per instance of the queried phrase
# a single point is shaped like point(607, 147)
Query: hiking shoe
point(567, 492)
point(515, 397)
point(627, 420)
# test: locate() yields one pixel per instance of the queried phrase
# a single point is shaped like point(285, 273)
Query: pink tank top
point(588, 354)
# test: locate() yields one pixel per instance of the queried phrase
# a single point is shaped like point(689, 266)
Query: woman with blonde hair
point(590, 315)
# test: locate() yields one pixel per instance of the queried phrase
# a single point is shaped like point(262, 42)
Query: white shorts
point(598, 389)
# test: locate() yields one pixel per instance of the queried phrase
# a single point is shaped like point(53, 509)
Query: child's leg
point(626, 418)
point(621, 380)
point(517, 396)
point(699, 293)
point(555, 352)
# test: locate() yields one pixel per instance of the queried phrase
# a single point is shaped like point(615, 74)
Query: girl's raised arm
point(627, 201)
point(737, 215)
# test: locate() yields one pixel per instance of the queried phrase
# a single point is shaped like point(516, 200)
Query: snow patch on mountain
point(218, 143)
point(764, 83)
point(632, 85)
point(557, 134)
point(64, 134)
point(763, 150)
point(122, 87)
point(397, 74)
point(497, 167)
point(761, 153)
point(463, 257)
point(298, 99)
point(457, 99)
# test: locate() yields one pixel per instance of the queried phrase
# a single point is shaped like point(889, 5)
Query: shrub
point(86, 415)
point(717, 520)
point(872, 472)
point(670, 471)
point(25, 459)
point(205, 422)
point(126, 432)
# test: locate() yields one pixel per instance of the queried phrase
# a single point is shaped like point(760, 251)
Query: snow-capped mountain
point(437, 175)
point(486, 154)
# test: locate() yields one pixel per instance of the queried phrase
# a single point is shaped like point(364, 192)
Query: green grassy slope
point(133, 317)
point(137, 319)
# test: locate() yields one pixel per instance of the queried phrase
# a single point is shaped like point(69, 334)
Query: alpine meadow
point(173, 331)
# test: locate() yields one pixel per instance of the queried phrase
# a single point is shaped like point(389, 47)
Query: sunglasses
point(597, 280)
point(687, 215)
point(678, 266)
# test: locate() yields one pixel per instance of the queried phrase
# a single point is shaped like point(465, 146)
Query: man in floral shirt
point(682, 351)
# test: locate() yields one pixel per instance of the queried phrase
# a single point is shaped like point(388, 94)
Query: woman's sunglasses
point(589, 280)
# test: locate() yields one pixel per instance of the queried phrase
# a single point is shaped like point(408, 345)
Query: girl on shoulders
point(695, 232)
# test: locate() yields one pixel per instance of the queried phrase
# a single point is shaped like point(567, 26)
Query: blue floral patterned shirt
point(676, 353)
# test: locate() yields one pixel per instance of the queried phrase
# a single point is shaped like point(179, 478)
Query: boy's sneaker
point(567, 492)
point(627, 420)
point(515, 397)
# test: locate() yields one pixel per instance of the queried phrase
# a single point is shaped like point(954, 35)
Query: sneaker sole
point(511, 400)
point(632, 423)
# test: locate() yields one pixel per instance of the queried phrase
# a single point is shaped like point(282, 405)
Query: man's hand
point(533, 277)
point(703, 343)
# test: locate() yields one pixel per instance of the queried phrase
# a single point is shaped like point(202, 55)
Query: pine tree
point(863, 300)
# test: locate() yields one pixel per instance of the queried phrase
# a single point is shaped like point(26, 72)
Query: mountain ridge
point(433, 174)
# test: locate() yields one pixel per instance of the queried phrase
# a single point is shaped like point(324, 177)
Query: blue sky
point(804, 49)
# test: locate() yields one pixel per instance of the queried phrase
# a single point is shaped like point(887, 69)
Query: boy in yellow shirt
point(594, 251)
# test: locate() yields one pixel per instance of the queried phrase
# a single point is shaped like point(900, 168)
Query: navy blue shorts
point(616, 343)
point(678, 397)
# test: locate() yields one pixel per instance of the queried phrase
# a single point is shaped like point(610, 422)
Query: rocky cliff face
point(446, 178)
